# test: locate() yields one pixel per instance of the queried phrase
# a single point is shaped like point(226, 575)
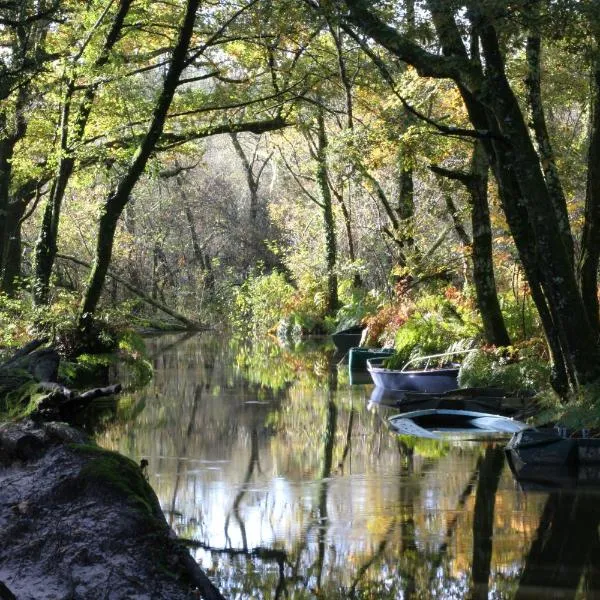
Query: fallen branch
point(65, 402)
point(148, 299)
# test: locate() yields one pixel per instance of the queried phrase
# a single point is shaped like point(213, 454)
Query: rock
point(80, 522)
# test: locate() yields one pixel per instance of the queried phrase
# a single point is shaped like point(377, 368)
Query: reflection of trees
point(183, 451)
point(328, 444)
point(235, 509)
point(378, 555)
point(205, 432)
point(490, 469)
point(348, 442)
point(564, 557)
point(437, 560)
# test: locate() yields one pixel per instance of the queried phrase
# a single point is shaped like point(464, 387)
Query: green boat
point(357, 360)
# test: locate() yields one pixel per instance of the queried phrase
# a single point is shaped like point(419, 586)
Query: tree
point(536, 220)
point(24, 28)
point(72, 125)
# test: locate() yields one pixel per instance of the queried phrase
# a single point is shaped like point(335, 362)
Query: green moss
point(119, 474)
point(21, 401)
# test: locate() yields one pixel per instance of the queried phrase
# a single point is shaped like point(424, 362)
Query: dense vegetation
point(427, 167)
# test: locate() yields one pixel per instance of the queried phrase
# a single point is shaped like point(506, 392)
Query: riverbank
point(77, 521)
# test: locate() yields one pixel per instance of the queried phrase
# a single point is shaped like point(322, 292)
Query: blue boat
point(427, 379)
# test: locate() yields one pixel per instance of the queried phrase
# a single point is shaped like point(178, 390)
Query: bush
point(516, 372)
point(520, 317)
point(262, 301)
point(435, 325)
point(357, 304)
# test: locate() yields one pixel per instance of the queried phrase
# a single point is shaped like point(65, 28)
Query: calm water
point(293, 487)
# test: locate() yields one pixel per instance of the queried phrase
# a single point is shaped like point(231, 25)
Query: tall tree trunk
point(538, 119)
point(476, 183)
point(11, 133)
point(483, 263)
point(332, 301)
point(46, 246)
point(406, 199)
point(116, 202)
point(590, 241)
point(338, 40)
point(555, 266)
point(14, 250)
point(518, 222)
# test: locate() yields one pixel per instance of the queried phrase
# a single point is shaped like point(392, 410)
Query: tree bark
point(476, 183)
point(332, 301)
point(483, 263)
point(338, 41)
point(538, 118)
point(590, 240)
point(8, 211)
point(116, 202)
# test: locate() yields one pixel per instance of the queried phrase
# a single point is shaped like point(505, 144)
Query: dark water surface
point(293, 487)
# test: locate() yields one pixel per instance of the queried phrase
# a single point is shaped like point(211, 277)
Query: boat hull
point(547, 448)
point(434, 381)
point(358, 357)
point(440, 423)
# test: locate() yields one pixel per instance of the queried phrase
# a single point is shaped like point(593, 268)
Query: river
point(290, 485)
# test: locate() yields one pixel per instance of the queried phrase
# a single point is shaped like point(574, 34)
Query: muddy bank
point(78, 522)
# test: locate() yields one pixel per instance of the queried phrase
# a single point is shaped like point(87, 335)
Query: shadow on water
point(564, 558)
point(286, 485)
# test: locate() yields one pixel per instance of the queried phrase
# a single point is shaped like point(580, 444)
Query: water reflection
point(288, 486)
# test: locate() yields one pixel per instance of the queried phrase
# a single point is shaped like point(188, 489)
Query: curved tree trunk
point(116, 202)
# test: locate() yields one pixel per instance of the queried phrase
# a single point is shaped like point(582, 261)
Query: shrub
point(435, 325)
point(520, 317)
point(515, 371)
point(262, 301)
point(357, 304)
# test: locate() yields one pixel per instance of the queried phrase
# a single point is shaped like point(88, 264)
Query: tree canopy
point(363, 150)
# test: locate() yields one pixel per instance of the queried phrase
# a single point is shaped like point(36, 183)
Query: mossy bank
point(79, 522)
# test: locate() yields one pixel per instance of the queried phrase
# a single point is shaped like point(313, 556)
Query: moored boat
point(357, 357)
point(429, 379)
point(548, 447)
point(347, 338)
point(439, 423)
